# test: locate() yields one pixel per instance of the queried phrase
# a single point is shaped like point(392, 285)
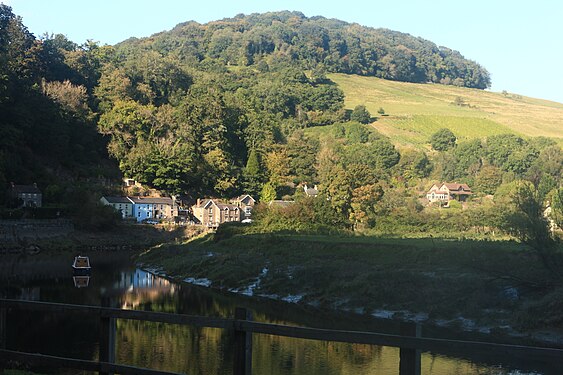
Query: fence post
point(107, 337)
point(242, 362)
point(3, 327)
point(409, 359)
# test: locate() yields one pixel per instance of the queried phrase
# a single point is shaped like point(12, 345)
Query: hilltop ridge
point(314, 43)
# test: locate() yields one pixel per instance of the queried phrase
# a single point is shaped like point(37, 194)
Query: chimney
point(198, 202)
point(305, 187)
point(316, 188)
point(35, 185)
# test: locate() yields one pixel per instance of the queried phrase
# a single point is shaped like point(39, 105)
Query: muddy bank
point(488, 288)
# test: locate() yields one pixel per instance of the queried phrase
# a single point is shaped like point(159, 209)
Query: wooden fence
point(409, 342)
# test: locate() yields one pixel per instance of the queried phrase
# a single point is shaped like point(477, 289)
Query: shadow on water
point(116, 281)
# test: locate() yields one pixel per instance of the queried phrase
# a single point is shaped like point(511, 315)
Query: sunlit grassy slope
point(415, 111)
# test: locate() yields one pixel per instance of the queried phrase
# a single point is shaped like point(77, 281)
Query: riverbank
point(488, 287)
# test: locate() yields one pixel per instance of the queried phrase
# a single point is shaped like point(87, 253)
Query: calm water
point(116, 281)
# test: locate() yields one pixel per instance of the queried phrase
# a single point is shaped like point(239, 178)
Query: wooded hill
point(314, 43)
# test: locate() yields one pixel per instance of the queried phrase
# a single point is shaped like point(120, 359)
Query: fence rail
point(409, 341)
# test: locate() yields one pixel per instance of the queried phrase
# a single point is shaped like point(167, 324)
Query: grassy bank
point(415, 111)
point(468, 283)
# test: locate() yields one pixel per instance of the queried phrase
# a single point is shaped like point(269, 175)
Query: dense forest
point(290, 38)
point(47, 122)
point(228, 107)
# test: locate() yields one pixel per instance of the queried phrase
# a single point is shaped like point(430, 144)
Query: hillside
point(269, 39)
point(415, 111)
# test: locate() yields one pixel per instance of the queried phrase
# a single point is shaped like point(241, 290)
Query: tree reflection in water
point(196, 350)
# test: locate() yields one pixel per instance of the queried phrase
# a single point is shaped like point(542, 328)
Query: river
point(115, 281)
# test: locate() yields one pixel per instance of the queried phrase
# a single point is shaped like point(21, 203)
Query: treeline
point(48, 121)
point(317, 43)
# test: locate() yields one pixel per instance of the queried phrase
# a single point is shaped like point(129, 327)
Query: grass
point(415, 111)
point(445, 279)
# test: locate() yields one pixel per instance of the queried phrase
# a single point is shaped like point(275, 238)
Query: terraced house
point(153, 208)
point(121, 204)
point(143, 208)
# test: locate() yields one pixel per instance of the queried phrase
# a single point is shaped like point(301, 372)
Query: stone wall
point(16, 232)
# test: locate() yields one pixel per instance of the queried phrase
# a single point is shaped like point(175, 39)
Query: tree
point(253, 174)
point(443, 140)
point(363, 205)
point(71, 97)
point(361, 115)
point(522, 211)
point(278, 165)
point(510, 152)
point(488, 179)
point(268, 193)
point(357, 133)
point(302, 152)
point(466, 161)
point(413, 164)
point(557, 207)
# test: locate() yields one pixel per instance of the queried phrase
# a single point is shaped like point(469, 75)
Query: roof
point(231, 207)
point(150, 200)
point(117, 200)
point(18, 189)
point(242, 197)
point(311, 191)
point(456, 186)
point(281, 203)
point(205, 202)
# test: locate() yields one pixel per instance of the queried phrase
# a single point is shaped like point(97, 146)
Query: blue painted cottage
point(143, 208)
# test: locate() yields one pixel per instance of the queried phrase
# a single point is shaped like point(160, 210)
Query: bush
point(361, 115)
point(443, 140)
point(228, 230)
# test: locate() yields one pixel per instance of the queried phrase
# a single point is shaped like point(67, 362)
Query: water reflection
point(140, 287)
point(81, 281)
point(115, 282)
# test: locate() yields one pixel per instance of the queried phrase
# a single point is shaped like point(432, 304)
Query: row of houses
point(208, 212)
point(143, 208)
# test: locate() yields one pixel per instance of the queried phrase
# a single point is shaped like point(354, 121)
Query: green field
point(415, 111)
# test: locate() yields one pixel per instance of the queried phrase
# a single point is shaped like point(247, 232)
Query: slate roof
point(456, 186)
point(221, 205)
point(150, 200)
point(312, 192)
point(118, 200)
point(281, 203)
point(25, 189)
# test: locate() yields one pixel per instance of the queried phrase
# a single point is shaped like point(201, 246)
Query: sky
point(519, 42)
